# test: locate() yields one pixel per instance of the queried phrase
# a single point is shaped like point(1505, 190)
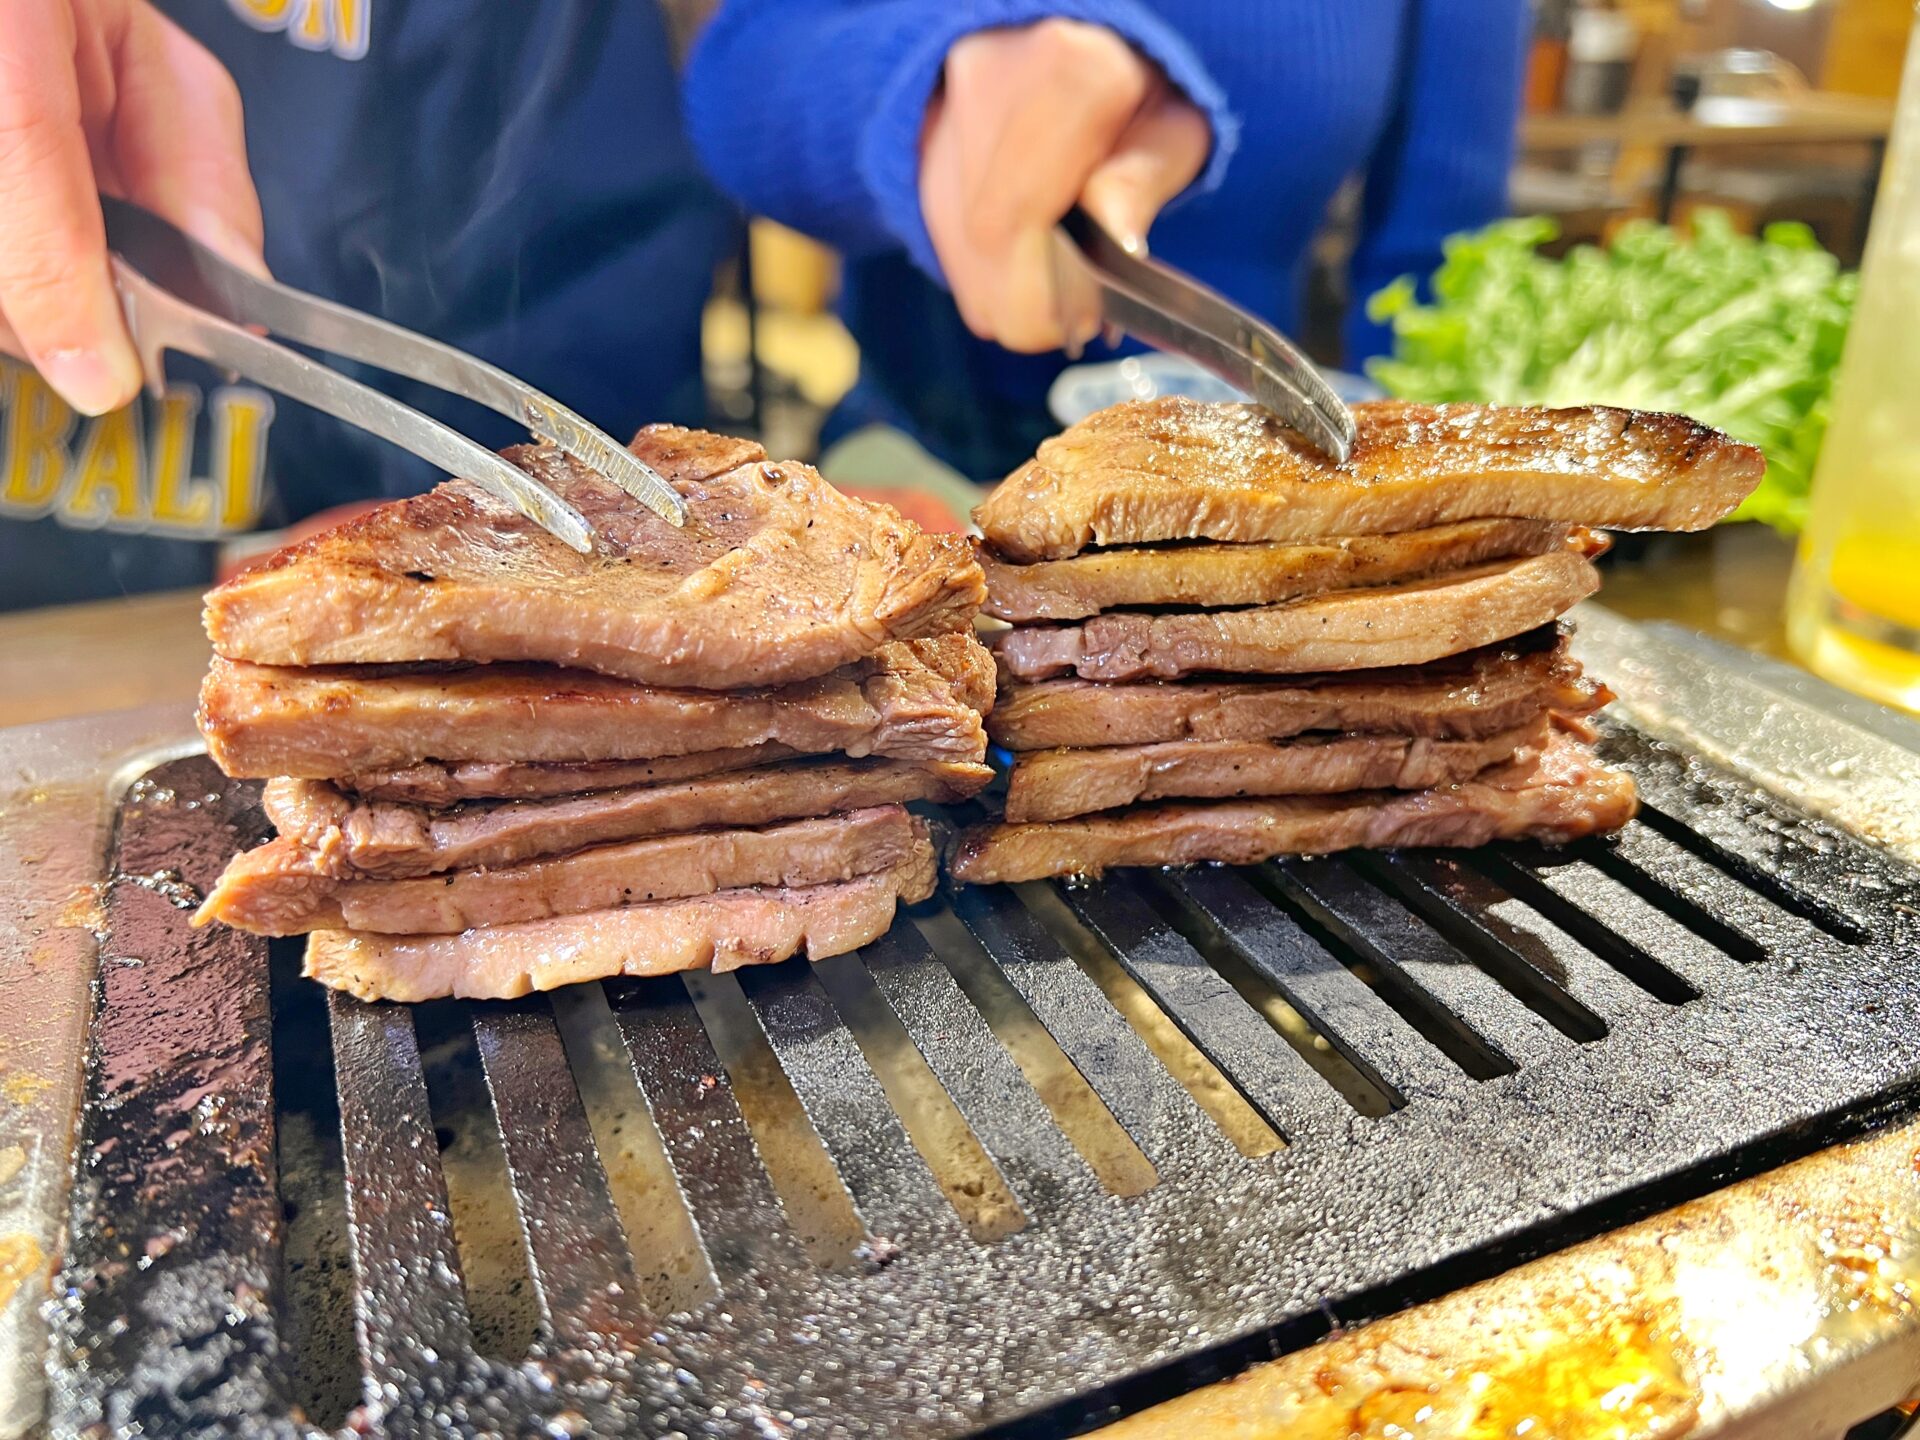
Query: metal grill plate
point(1560, 1041)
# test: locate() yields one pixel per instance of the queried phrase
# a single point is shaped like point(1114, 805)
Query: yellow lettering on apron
point(267, 14)
point(34, 460)
point(180, 502)
point(106, 474)
point(342, 26)
point(240, 420)
point(352, 24)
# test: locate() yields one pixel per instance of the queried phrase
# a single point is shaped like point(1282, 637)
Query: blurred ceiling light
point(1795, 5)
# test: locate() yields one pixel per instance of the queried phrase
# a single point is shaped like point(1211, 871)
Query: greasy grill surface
point(1467, 1057)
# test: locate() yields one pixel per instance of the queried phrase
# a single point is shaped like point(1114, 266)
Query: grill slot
point(1238, 1122)
point(1747, 857)
point(988, 1089)
point(971, 1180)
point(717, 1198)
point(671, 1268)
point(503, 1305)
point(410, 1311)
point(716, 1159)
point(581, 1265)
point(896, 1194)
point(1366, 1030)
point(1737, 919)
point(1533, 958)
point(1154, 1109)
point(1501, 1035)
point(1670, 960)
point(1290, 1095)
point(1072, 1103)
point(1749, 835)
point(317, 1317)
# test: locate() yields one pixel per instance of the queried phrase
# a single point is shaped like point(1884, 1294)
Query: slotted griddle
point(1559, 1041)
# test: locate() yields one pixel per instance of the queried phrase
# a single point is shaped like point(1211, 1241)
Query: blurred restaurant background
point(1767, 110)
point(1758, 118)
point(1692, 189)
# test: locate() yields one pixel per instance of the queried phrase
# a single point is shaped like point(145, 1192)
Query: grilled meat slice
point(1458, 698)
point(911, 700)
point(1179, 469)
point(439, 786)
point(1554, 796)
point(1059, 784)
point(1405, 624)
point(377, 839)
point(278, 890)
point(1213, 576)
point(721, 931)
point(776, 577)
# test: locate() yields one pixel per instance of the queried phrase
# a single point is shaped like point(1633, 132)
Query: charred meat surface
point(776, 577)
point(1179, 469)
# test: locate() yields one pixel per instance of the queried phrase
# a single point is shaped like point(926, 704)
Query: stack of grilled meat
point(1226, 648)
point(497, 765)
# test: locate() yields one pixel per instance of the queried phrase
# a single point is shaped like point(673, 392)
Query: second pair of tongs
point(1170, 311)
point(179, 295)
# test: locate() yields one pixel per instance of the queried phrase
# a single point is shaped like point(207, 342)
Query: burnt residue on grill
point(1558, 1043)
point(164, 1307)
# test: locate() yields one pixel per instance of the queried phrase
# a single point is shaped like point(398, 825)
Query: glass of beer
point(1853, 611)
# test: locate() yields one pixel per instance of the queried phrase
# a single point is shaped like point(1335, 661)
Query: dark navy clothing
point(810, 111)
point(513, 178)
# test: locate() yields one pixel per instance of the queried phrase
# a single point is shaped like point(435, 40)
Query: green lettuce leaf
point(1741, 333)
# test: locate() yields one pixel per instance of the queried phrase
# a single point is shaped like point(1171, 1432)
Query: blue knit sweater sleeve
point(1442, 165)
point(810, 111)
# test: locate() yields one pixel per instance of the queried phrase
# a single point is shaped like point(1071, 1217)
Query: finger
point(942, 207)
point(1030, 114)
point(55, 289)
point(179, 140)
point(1159, 155)
point(1030, 139)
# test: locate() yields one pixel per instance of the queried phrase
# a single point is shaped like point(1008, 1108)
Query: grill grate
point(1462, 1058)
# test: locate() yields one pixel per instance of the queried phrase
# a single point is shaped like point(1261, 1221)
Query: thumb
point(1160, 153)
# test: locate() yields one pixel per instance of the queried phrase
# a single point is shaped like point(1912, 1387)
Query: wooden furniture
point(1818, 118)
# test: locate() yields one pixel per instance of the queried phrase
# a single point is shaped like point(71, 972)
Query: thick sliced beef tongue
point(776, 577)
point(277, 890)
point(1458, 698)
point(1178, 469)
point(352, 839)
point(721, 931)
point(1058, 784)
point(1556, 796)
point(1405, 624)
point(1214, 576)
point(911, 700)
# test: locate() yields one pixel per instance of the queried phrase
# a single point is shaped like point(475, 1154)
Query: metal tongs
point(1174, 312)
point(179, 295)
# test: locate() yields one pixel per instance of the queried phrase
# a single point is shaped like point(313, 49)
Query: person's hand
point(105, 95)
point(1027, 123)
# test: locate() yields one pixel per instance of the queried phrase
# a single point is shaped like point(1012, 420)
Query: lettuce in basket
point(1741, 333)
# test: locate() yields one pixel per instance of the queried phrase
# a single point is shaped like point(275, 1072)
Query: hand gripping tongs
point(1171, 311)
point(179, 295)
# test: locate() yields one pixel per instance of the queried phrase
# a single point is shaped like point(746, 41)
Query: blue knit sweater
point(810, 112)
